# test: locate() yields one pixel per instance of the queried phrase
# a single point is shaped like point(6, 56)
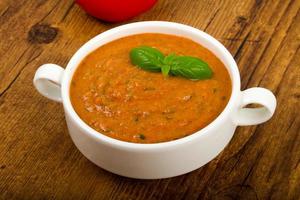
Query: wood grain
point(38, 159)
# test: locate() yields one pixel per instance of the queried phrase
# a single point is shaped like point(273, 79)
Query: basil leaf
point(169, 59)
point(165, 69)
point(190, 67)
point(147, 58)
point(152, 59)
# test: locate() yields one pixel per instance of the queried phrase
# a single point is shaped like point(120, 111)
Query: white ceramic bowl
point(160, 160)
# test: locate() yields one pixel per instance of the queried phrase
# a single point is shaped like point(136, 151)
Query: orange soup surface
point(127, 103)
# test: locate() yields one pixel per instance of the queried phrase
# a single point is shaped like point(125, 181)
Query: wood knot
point(42, 33)
point(2, 166)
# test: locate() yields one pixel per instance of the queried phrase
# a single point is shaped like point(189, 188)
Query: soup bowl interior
point(150, 27)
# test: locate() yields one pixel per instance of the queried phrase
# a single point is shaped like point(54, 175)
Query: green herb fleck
point(136, 118)
point(149, 88)
point(142, 136)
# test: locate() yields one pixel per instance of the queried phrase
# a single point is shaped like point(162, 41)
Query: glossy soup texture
point(127, 103)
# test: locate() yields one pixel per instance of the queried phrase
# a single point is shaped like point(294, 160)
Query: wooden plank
point(39, 161)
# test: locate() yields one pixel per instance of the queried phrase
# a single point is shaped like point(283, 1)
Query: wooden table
point(38, 159)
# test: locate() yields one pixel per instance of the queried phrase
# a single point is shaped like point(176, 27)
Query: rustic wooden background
point(38, 159)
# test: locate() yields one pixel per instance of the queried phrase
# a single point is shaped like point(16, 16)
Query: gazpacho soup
point(150, 88)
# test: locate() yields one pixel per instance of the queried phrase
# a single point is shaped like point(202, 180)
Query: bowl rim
point(86, 48)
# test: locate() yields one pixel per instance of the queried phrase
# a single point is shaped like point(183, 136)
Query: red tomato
point(115, 10)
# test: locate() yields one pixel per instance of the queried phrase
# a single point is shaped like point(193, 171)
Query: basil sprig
point(152, 59)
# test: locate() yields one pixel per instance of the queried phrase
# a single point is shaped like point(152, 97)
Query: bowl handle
point(47, 80)
point(252, 116)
